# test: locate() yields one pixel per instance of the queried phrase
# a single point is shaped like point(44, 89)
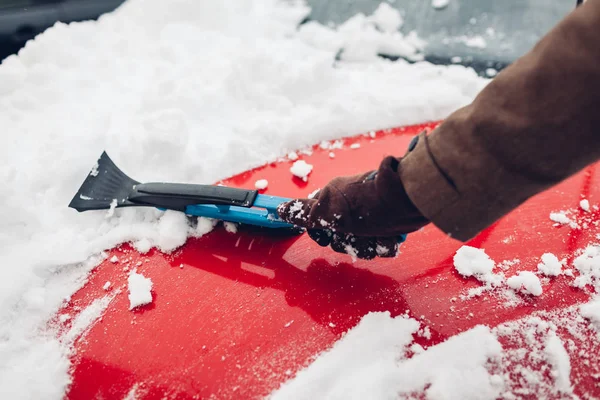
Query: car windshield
point(479, 33)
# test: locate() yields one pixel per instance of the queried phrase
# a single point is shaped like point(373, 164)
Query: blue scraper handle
point(262, 213)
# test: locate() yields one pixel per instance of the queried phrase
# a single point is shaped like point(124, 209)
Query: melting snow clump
point(470, 261)
point(550, 265)
point(591, 311)
point(230, 227)
point(558, 358)
point(203, 226)
point(560, 217)
point(585, 205)
point(139, 290)
point(527, 282)
point(455, 369)
point(588, 265)
point(491, 72)
point(387, 18)
point(143, 245)
point(301, 169)
point(439, 4)
point(261, 184)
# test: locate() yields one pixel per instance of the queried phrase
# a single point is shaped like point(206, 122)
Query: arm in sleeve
point(535, 124)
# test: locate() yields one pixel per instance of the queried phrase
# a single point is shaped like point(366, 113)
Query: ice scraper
point(108, 187)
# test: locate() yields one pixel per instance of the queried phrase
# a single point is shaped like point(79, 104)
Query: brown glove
point(362, 214)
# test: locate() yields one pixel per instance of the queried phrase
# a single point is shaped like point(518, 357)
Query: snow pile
point(575, 218)
point(550, 265)
point(591, 311)
point(370, 362)
point(139, 288)
point(456, 369)
point(536, 358)
point(181, 91)
point(558, 358)
point(362, 38)
point(439, 4)
point(203, 226)
point(588, 266)
point(477, 42)
point(230, 227)
point(301, 169)
point(261, 184)
point(491, 72)
point(473, 262)
point(560, 217)
point(373, 345)
point(527, 282)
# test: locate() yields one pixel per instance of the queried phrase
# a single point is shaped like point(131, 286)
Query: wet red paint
point(248, 310)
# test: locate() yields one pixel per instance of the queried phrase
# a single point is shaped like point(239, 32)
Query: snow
point(352, 252)
point(230, 227)
point(261, 184)
point(454, 369)
point(355, 146)
point(111, 210)
point(325, 145)
point(139, 288)
point(381, 250)
point(143, 245)
point(477, 42)
point(538, 357)
point(106, 285)
point(560, 217)
point(301, 169)
point(591, 311)
point(373, 345)
point(588, 266)
point(550, 265)
point(471, 261)
point(585, 205)
point(85, 318)
point(203, 226)
point(370, 362)
point(439, 4)
point(387, 18)
point(558, 358)
point(184, 92)
point(172, 230)
point(361, 38)
point(527, 282)
point(491, 72)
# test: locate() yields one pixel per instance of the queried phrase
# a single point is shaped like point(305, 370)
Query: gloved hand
point(362, 215)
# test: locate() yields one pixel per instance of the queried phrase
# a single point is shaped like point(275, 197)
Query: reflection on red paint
point(248, 310)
